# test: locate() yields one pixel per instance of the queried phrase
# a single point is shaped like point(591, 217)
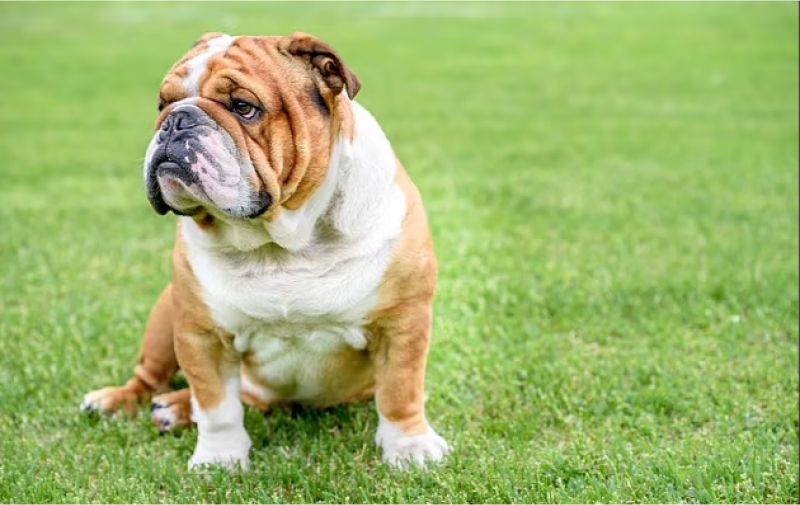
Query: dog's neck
point(357, 201)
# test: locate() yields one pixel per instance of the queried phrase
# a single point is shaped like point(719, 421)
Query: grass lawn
point(613, 190)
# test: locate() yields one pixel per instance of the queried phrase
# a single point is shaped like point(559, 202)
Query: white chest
point(289, 314)
point(262, 291)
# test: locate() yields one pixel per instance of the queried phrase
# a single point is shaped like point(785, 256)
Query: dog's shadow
point(291, 423)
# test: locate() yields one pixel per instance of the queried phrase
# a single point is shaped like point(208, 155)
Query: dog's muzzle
point(200, 159)
point(172, 158)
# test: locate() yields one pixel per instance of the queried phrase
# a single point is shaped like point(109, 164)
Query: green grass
point(613, 190)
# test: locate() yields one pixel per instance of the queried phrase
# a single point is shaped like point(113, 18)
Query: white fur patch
point(221, 437)
point(355, 338)
point(367, 198)
point(192, 100)
point(163, 417)
point(358, 196)
point(400, 450)
point(292, 360)
point(294, 229)
point(329, 286)
point(258, 392)
point(101, 400)
point(199, 64)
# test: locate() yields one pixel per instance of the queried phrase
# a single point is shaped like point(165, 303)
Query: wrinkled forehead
point(195, 63)
point(217, 52)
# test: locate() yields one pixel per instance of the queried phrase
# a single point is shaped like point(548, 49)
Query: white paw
point(230, 462)
point(400, 450)
point(93, 402)
point(221, 437)
point(163, 418)
point(105, 401)
point(229, 449)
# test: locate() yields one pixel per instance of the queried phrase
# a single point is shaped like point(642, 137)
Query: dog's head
point(246, 126)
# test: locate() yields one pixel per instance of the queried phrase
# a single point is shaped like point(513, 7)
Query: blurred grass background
point(613, 190)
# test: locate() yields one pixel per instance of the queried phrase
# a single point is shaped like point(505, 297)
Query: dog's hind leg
point(157, 365)
point(172, 411)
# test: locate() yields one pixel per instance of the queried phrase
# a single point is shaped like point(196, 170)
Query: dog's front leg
point(212, 366)
point(403, 430)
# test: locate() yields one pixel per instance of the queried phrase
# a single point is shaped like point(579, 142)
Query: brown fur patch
point(403, 318)
point(158, 364)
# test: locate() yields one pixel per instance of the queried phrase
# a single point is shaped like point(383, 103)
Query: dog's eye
point(161, 106)
point(244, 109)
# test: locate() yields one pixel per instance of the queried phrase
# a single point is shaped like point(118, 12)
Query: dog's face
point(246, 126)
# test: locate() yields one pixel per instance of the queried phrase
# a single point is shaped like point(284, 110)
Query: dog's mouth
point(187, 196)
point(154, 194)
point(166, 173)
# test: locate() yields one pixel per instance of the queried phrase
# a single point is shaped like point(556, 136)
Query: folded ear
point(325, 60)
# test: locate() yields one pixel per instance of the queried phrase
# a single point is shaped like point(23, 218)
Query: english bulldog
point(303, 266)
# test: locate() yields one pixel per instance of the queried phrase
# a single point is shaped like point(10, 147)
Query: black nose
point(177, 121)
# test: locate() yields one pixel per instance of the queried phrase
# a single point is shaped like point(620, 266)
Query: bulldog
point(303, 265)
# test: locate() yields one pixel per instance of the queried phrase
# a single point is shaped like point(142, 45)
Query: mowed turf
point(613, 191)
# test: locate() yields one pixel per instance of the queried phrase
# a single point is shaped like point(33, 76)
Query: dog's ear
point(324, 60)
